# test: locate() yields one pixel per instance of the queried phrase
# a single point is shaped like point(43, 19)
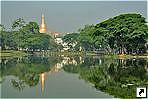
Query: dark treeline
point(123, 34)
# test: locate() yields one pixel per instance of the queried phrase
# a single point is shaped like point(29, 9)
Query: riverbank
point(65, 53)
point(12, 53)
point(125, 56)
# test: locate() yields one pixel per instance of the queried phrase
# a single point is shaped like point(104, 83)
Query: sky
point(68, 16)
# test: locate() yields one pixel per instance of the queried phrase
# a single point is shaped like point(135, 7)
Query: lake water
point(72, 77)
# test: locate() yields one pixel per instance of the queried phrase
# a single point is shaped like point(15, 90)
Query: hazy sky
point(64, 16)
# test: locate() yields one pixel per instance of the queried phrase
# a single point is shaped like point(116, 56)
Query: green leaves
point(25, 36)
point(18, 23)
point(122, 29)
point(72, 40)
point(125, 33)
point(2, 28)
point(31, 27)
point(86, 37)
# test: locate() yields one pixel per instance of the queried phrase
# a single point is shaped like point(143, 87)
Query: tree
point(2, 28)
point(86, 40)
point(31, 27)
point(125, 33)
point(7, 40)
point(25, 36)
point(18, 23)
point(71, 40)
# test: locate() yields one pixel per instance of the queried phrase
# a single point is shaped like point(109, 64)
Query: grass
point(12, 53)
point(125, 56)
point(66, 53)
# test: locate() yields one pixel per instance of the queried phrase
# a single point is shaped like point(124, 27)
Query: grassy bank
point(125, 56)
point(66, 53)
point(12, 53)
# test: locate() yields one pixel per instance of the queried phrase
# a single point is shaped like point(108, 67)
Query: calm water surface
point(71, 77)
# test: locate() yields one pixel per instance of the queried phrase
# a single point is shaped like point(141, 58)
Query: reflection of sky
point(57, 85)
point(68, 16)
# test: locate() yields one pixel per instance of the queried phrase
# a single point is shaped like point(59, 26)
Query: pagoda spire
point(43, 25)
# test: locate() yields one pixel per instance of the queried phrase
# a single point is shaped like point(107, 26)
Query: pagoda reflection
point(56, 68)
point(42, 81)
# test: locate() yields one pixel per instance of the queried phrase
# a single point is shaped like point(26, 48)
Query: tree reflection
point(18, 84)
point(27, 69)
point(118, 77)
point(31, 79)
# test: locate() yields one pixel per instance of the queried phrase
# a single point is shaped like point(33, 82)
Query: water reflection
point(18, 84)
point(42, 80)
point(112, 76)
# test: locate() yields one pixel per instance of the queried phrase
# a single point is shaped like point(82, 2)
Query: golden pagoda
point(43, 25)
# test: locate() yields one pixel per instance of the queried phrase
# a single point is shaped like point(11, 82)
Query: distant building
point(57, 36)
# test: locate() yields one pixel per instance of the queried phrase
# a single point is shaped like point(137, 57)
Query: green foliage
point(85, 38)
point(72, 40)
point(31, 27)
point(27, 37)
point(1, 28)
point(18, 23)
point(125, 33)
point(71, 68)
point(31, 79)
point(27, 69)
point(115, 79)
point(7, 40)
point(118, 77)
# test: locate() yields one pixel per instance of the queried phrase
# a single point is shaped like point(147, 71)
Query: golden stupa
point(43, 25)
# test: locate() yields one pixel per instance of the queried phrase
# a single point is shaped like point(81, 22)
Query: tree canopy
point(126, 33)
point(72, 40)
point(25, 36)
point(123, 34)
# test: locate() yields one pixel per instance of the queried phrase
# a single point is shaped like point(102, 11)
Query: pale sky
point(64, 16)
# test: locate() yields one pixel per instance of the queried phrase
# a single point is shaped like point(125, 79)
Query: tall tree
point(126, 33)
point(18, 23)
point(71, 39)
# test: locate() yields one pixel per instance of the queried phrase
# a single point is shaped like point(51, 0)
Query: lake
point(71, 77)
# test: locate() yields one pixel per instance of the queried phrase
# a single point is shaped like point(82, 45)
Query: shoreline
point(13, 53)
